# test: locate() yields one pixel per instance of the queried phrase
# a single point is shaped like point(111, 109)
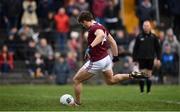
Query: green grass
point(105, 98)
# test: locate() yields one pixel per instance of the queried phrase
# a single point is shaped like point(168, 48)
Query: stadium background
point(41, 41)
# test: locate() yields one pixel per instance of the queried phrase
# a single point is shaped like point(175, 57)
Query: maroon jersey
point(99, 51)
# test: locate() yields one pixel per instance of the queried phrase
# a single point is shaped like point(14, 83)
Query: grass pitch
point(99, 98)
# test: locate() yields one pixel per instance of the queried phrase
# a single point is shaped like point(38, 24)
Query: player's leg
point(143, 65)
point(148, 81)
point(113, 79)
point(141, 85)
point(142, 82)
point(110, 78)
point(149, 68)
point(80, 76)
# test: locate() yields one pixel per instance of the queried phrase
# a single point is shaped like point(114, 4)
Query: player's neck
point(147, 32)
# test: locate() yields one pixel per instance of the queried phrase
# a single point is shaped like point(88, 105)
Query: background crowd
point(46, 38)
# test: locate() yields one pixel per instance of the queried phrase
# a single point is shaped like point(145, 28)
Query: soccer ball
point(67, 99)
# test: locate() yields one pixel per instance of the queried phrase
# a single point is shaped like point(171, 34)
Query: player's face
point(84, 24)
point(147, 26)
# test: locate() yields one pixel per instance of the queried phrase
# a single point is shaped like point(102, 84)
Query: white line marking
point(170, 102)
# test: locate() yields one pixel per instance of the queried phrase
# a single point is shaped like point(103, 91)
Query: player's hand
point(87, 53)
point(157, 63)
point(115, 59)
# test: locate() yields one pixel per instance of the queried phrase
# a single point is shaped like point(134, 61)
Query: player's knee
point(75, 79)
point(110, 82)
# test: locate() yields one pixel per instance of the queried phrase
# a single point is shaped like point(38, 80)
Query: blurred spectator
point(21, 46)
point(73, 43)
point(26, 31)
point(122, 41)
point(47, 53)
point(72, 60)
point(48, 24)
point(175, 13)
point(74, 25)
point(61, 70)
point(44, 48)
point(46, 15)
point(82, 5)
point(30, 52)
point(44, 7)
point(161, 37)
point(168, 62)
point(29, 15)
point(36, 66)
point(70, 6)
point(111, 15)
point(127, 65)
point(62, 27)
point(48, 29)
point(11, 41)
point(6, 60)
point(11, 12)
point(172, 41)
point(98, 7)
point(145, 11)
point(84, 45)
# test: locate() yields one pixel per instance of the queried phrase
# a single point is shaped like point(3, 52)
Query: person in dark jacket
point(146, 52)
point(145, 11)
point(61, 70)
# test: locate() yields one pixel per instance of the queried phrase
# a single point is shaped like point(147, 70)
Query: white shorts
point(98, 66)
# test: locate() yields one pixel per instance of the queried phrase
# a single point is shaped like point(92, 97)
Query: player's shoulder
point(153, 35)
point(140, 35)
point(98, 26)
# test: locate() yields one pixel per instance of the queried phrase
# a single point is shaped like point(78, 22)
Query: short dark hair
point(85, 15)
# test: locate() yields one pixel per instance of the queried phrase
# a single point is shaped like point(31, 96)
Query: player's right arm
point(114, 47)
point(98, 39)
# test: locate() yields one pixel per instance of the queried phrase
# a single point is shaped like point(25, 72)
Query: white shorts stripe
point(89, 66)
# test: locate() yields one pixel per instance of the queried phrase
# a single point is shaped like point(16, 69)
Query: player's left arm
point(157, 47)
point(114, 47)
